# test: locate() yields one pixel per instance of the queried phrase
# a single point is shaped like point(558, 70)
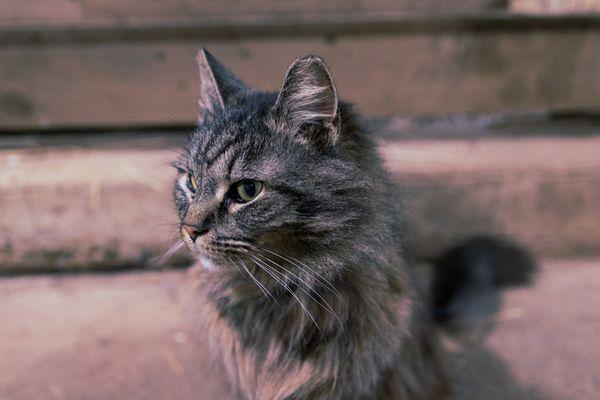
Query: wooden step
point(60, 13)
point(142, 72)
point(125, 336)
point(91, 204)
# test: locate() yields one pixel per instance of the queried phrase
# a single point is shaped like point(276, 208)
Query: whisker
point(299, 264)
point(258, 284)
point(236, 243)
point(235, 265)
point(302, 305)
point(321, 301)
point(277, 280)
point(281, 281)
point(163, 224)
point(169, 253)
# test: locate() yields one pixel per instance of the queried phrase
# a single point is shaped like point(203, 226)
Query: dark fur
point(330, 209)
point(468, 277)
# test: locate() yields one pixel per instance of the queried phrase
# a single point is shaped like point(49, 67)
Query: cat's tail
point(467, 279)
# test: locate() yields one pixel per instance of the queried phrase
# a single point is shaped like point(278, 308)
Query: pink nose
point(193, 231)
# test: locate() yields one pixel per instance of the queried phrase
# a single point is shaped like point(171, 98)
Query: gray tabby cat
point(283, 200)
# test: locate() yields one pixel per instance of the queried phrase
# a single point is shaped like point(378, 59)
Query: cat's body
point(374, 360)
point(369, 338)
point(298, 230)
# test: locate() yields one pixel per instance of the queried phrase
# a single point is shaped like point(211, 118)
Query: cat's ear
point(219, 88)
point(308, 102)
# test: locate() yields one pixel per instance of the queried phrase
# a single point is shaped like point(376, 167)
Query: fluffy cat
point(283, 200)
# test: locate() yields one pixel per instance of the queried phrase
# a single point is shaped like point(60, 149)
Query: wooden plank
point(107, 208)
point(137, 336)
point(554, 7)
point(328, 25)
point(31, 13)
point(117, 84)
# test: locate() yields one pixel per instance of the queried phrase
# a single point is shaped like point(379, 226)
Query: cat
point(297, 228)
point(467, 279)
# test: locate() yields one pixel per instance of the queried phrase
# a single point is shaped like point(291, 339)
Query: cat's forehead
point(215, 133)
point(230, 145)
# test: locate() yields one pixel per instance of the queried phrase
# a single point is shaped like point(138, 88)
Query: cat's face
point(260, 179)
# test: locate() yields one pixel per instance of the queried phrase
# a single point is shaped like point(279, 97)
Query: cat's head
point(265, 176)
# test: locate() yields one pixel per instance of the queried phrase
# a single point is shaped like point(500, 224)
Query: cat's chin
point(207, 263)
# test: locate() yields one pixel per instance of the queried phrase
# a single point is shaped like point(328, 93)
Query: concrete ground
point(124, 336)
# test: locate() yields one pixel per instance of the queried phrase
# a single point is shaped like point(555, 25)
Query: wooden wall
point(92, 63)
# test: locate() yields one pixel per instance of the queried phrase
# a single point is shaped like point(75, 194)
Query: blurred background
point(487, 111)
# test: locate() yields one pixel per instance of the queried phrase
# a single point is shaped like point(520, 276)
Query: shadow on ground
point(480, 374)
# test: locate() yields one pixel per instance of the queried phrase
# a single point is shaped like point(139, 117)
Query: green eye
point(192, 184)
point(247, 190)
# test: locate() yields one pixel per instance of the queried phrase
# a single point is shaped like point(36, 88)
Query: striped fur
point(311, 298)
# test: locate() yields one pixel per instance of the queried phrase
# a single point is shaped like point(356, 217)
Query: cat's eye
point(191, 183)
point(246, 190)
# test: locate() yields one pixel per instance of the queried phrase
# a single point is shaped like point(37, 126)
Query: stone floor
point(124, 336)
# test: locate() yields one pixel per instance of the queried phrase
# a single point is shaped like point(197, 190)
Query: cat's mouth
point(206, 259)
point(215, 255)
point(201, 253)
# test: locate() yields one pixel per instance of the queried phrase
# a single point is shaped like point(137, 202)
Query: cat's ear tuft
point(308, 102)
point(219, 88)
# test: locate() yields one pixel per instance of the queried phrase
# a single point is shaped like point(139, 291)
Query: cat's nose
point(193, 231)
